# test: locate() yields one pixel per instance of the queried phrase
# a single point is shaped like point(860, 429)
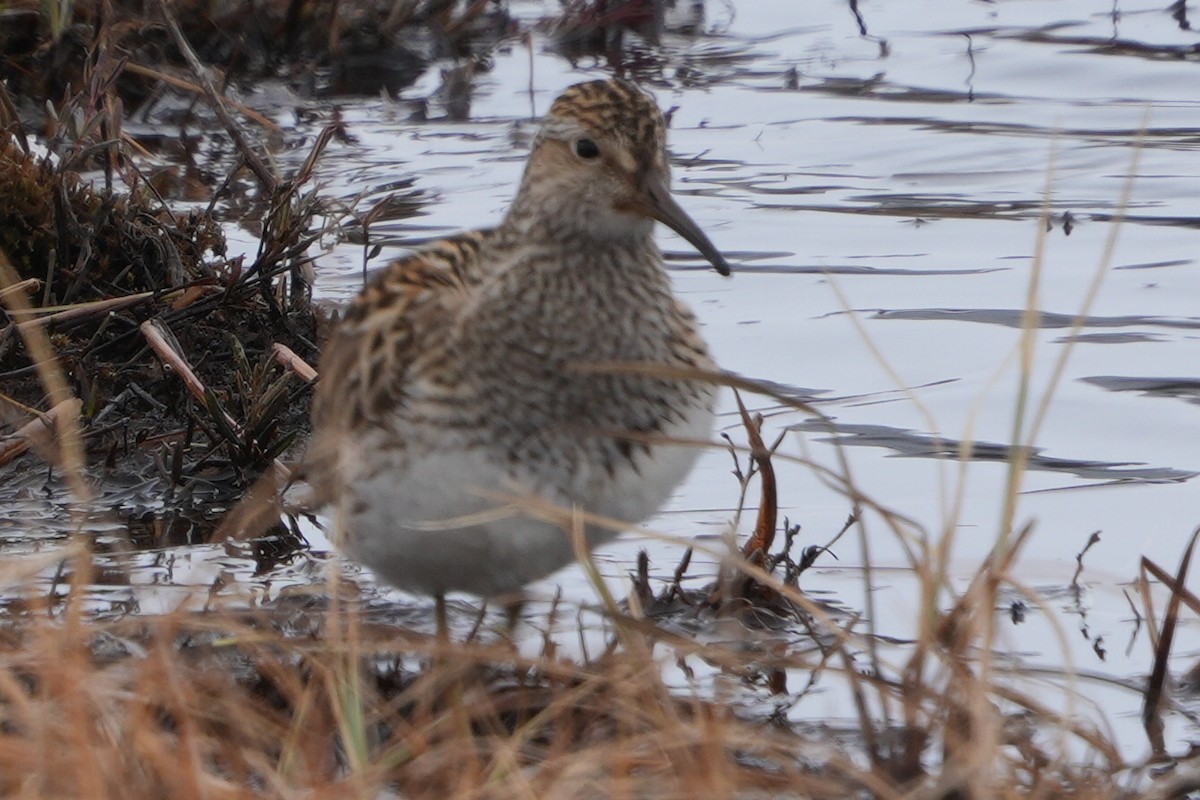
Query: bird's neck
point(558, 213)
point(557, 241)
point(598, 272)
point(554, 284)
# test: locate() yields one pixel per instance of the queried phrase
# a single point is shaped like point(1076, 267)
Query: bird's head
point(599, 166)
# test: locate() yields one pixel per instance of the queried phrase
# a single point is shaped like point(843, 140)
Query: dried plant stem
point(189, 86)
point(288, 358)
point(38, 432)
point(19, 406)
point(27, 286)
point(41, 352)
point(1186, 597)
point(253, 161)
point(764, 527)
point(156, 334)
point(159, 337)
point(81, 310)
point(1152, 718)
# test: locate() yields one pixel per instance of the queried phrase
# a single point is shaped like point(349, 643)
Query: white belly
point(457, 520)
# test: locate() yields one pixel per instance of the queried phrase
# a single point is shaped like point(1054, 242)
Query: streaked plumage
point(451, 384)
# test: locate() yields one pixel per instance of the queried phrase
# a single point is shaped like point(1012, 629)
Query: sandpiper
point(456, 389)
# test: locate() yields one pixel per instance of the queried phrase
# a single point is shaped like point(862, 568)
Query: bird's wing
point(365, 365)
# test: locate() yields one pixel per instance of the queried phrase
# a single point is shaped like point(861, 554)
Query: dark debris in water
point(921, 208)
point(1179, 262)
point(1180, 388)
point(762, 592)
point(1016, 318)
point(857, 269)
point(135, 509)
point(1113, 45)
point(909, 444)
point(1125, 337)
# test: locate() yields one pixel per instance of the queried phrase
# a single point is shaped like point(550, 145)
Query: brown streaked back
point(365, 364)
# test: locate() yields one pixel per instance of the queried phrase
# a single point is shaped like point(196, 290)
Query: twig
point(38, 431)
point(188, 86)
point(764, 527)
point(159, 338)
point(1185, 595)
point(676, 589)
point(28, 286)
point(1093, 539)
point(18, 405)
point(193, 294)
point(253, 161)
point(288, 358)
point(1156, 683)
point(84, 310)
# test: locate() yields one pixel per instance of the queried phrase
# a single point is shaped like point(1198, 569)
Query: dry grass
point(226, 703)
point(216, 707)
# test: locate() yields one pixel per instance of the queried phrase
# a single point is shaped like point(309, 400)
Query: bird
point(455, 392)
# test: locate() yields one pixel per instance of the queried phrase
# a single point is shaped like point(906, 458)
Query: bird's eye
point(586, 148)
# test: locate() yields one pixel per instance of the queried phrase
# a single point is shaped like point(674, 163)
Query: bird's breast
point(540, 369)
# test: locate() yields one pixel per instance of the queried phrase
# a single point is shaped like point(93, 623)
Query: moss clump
point(89, 245)
point(93, 245)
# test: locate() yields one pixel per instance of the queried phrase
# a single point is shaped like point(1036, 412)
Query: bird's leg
point(513, 605)
point(443, 625)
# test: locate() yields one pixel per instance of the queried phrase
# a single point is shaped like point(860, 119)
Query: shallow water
point(881, 195)
point(883, 216)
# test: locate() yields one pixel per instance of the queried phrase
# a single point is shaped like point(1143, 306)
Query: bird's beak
point(662, 206)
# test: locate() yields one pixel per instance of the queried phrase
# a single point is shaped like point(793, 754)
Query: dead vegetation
point(98, 264)
point(324, 699)
point(340, 48)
